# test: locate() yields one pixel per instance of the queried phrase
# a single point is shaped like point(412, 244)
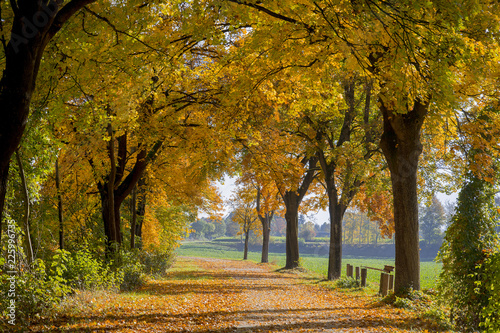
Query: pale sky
point(320, 217)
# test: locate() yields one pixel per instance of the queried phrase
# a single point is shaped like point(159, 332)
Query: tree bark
point(266, 232)
point(336, 211)
point(23, 54)
point(133, 222)
point(141, 209)
point(245, 251)
point(27, 237)
point(292, 200)
point(265, 220)
point(116, 187)
point(59, 206)
point(114, 237)
point(292, 231)
point(400, 143)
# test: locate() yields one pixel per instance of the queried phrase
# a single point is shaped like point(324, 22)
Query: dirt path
point(277, 302)
point(212, 295)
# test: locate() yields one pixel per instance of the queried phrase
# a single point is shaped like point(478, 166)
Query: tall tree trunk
point(336, 211)
point(265, 220)
point(59, 206)
point(141, 209)
point(108, 219)
point(292, 200)
point(266, 232)
point(114, 239)
point(292, 231)
point(133, 222)
point(245, 251)
point(27, 237)
point(111, 205)
point(401, 146)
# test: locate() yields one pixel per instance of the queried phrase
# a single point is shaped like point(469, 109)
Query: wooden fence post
point(384, 284)
point(364, 272)
point(357, 273)
point(349, 270)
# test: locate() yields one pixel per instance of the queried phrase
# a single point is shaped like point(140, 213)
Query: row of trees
point(357, 227)
point(361, 104)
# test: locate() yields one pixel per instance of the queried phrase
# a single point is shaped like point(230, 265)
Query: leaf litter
point(216, 295)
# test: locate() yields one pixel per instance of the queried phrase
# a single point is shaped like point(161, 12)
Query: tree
point(245, 214)
point(267, 200)
point(413, 62)
point(307, 231)
point(265, 216)
point(27, 204)
point(292, 199)
point(203, 228)
point(432, 222)
point(469, 240)
point(284, 160)
point(33, 25)
point(343, 145)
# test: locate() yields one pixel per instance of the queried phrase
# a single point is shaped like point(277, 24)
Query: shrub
point(35, 291)
point(410, 299)
point(156, 262)
point(84, 271)
point(439, 317)
point(403, 303)
point(348, 283)
point(490, 314)
point(130, 268)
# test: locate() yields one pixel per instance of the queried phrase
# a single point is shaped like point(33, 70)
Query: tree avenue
point(411, 55)
point(123, 114)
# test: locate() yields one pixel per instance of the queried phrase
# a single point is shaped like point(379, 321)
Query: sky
point(227, 186)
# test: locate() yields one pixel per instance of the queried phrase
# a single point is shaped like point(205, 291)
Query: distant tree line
point(357, 227)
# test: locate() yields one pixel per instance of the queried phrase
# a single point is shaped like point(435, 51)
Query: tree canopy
point(142, 106)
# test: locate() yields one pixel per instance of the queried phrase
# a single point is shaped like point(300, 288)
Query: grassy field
point(429, 271)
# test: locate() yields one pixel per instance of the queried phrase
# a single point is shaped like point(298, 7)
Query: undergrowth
point(425, 303)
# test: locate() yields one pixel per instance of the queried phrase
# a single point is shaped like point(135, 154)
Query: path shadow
point(315, 320)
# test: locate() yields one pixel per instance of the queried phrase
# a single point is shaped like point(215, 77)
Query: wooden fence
point(386, 278)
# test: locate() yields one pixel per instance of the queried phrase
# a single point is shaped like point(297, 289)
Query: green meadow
point(429, 270)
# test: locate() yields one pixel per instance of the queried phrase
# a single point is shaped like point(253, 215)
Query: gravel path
point(284, 302)
point(212, 295)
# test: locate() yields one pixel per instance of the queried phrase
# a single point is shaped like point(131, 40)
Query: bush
point(130, 268)
point(348, 283)
point(403, 303)
point(439, 317)
point(490, 314)
point(84, 272)
point(35, 291)
point(156, 262)
point(410, 299)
